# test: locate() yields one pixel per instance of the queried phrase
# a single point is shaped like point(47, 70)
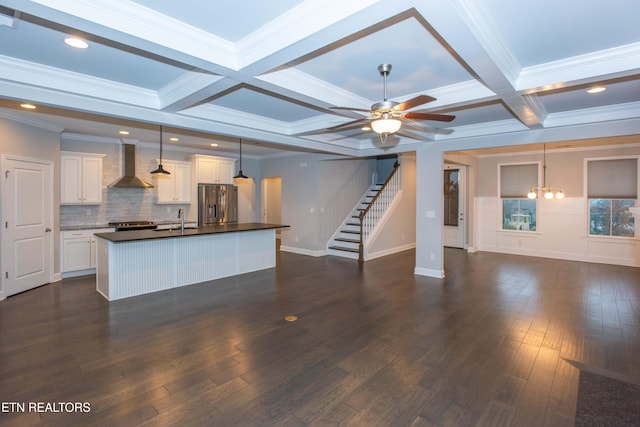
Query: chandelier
point(546, 191)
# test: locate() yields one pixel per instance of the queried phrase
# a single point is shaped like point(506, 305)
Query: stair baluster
point(376, 208)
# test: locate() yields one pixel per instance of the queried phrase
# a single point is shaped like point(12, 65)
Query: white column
point(429, 206)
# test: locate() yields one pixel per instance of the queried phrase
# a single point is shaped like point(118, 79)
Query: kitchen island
point(137, 262)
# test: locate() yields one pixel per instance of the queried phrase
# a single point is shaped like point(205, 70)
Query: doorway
point(27, 215)
point(454, 206)
point(272, 201)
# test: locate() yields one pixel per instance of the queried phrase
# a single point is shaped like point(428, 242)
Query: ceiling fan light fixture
point(386, 125)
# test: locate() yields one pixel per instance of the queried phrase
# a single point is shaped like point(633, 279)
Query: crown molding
point(615, 62)
point(25, 119)
point(187, 84)
point(70, 136)
point(29, 73)
point(136, 22)
point(295, 25)
point(592, 115)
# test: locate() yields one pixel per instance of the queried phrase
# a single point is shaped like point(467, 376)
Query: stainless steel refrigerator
point(217, 203)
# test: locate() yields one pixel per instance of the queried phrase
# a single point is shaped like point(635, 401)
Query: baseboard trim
point(77, 273)
point(429, 272)
point(302, 251)
point(390, 251)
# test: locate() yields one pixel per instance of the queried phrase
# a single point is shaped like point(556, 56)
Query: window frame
point(525, 198)
point(587, 200)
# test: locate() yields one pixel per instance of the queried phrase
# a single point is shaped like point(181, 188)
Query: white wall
point(249, 191)
point(562, 225)
point(318, 192)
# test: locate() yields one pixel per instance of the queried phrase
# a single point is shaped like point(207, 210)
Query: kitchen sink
point(175, 229)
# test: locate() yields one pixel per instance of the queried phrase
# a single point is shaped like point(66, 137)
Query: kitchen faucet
point(181, 217)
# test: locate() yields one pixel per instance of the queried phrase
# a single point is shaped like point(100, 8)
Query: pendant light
point(160, 169)
point(240, 174)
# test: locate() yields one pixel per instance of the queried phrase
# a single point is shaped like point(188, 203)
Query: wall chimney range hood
point(129, 178)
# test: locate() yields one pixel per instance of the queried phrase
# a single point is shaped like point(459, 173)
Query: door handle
point(461, 216)
point(48, 230)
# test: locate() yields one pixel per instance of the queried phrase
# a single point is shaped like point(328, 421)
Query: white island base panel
point(126, 269)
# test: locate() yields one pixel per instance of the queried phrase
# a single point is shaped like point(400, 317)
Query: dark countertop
point(84, 227)
point(100, 226)
point(133, 235)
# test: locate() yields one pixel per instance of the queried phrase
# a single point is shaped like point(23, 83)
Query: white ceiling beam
point(469, 31)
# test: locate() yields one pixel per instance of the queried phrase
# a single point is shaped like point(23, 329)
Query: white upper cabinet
point(81, 178)
point(213, 170)
point(176, 187)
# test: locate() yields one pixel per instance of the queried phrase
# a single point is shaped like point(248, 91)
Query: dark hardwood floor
point(373, 345)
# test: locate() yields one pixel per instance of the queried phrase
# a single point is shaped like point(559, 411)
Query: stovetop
point(133, 225)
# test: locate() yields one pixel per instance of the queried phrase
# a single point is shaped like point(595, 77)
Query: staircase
point(351, 238)
point(346, 243)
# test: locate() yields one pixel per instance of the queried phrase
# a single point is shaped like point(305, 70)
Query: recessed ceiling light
point(76, 42)
point(123, 132)
point(174, 139)
point(213, 144)
point(28, 106)
point(596, 89)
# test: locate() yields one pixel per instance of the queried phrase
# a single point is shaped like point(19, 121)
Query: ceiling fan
point(386, 117)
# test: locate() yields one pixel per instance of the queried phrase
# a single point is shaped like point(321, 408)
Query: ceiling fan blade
point(410, 134)
point(414, 102)
point(354, 126)
point(347, 124)
point(429, 116)
point(351, 109)
point(421, 127)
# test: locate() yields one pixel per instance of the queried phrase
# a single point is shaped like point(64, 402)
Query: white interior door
point(454, 205)
point(27, 223)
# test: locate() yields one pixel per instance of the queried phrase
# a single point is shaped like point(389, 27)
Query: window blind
point(517, 180)
point(612, 179)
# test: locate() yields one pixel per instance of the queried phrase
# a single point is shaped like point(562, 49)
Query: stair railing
point(377, 207)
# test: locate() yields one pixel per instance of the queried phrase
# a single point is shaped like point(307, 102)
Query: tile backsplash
point(128, 204)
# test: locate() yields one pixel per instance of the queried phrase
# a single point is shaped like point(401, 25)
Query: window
point(451, 177)
point(612, 188)
point(518, 211)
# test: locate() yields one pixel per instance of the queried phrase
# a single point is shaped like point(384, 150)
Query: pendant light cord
point(160, 144)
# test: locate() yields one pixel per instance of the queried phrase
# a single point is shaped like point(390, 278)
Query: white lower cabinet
point(78, 251)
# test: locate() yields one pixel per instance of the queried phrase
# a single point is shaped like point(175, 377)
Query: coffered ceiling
point(268, 72)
